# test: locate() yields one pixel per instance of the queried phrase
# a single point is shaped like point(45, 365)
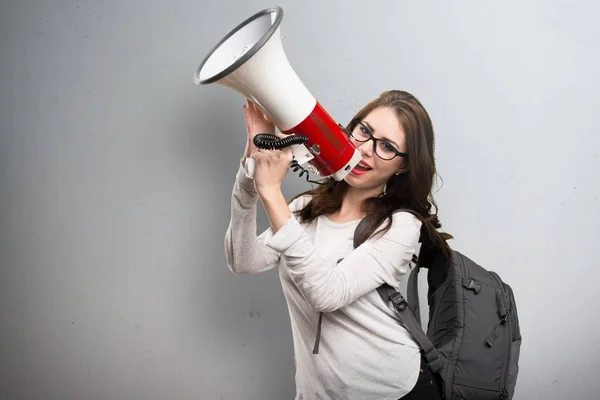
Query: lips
point(364, 164)
point(361, 168)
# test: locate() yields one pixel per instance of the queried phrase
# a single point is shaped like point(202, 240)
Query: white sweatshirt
point(364, 352)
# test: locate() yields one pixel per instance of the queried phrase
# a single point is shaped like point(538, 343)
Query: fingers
point(287, 151)
point(256, 121)
point(251, 107)
point(271, 154)
point(252, 115)
point(264, 153)
point(256, 111)
point(248, 116)
point(284, 155)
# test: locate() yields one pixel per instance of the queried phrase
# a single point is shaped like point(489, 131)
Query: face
point(373, 171)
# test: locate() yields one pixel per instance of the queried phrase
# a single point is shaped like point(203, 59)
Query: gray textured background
point(116, 173)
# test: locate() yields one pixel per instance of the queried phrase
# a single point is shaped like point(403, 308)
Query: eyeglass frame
point(358, 121)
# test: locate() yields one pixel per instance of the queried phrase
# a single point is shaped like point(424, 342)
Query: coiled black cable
point(268, 141)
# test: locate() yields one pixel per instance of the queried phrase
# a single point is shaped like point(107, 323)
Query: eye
point(387, 146)
point(364, 130)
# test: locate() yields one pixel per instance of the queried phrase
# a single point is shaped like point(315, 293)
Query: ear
point(403, 168)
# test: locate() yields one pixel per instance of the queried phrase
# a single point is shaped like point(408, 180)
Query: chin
point(364, 181)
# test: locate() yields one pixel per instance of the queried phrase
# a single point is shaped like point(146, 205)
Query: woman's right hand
point(256, 122)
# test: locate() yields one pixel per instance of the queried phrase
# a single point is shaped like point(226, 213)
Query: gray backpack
point(473, 339)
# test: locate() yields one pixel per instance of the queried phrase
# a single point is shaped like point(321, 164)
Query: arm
point(328, 287)
point(276, 208)
point(246, 253)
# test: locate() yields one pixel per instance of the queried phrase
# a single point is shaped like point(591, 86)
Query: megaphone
point(250, 59)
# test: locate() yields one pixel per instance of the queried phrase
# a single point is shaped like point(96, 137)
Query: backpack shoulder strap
point(412, 293)
point(362, 225)
point(432, 355)
point(413, 287)
point(409, 316)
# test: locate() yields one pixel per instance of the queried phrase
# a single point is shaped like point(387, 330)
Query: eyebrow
point(373, 130)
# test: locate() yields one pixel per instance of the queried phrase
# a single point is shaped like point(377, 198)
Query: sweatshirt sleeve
point(245, 252)
point(327, 286)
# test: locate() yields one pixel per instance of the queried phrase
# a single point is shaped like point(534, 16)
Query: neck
point(352, 203)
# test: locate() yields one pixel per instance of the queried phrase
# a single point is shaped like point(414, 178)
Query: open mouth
point(363, 166)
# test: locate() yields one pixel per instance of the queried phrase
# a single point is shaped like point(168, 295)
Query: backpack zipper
point(504, 394)
point(505, 321)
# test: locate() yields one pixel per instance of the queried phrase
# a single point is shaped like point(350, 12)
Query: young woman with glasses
point(348, 342)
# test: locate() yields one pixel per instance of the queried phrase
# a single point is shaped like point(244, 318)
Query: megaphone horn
point(250, 59)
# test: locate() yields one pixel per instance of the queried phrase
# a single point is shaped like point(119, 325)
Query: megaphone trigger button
point(315, 149)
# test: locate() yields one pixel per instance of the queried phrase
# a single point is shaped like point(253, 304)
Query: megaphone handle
point(249, 165)
point(268, 141)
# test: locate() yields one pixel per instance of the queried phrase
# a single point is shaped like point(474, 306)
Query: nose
point(365, 148)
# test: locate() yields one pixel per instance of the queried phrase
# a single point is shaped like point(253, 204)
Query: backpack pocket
point(482, 357)
point(513, 366)
point(467, 389)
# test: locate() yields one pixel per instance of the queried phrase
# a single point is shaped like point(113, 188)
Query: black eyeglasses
point(382, 148)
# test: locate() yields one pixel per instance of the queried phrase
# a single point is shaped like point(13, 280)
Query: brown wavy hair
point(410, 189)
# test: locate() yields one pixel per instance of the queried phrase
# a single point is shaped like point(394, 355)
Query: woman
point(348, 342)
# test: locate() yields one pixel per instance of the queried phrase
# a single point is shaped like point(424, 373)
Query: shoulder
point(404, 227)
point(406, 219)
point(299, 202)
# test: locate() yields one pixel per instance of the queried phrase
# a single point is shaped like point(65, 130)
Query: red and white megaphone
point(250, 59)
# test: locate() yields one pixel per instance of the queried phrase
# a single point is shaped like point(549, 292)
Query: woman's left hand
point(270, 169)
